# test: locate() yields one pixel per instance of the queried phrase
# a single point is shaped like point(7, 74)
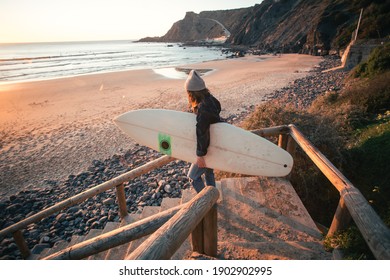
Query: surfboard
point(232, 149)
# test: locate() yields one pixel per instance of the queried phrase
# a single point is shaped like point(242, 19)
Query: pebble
point(168, 189)
point(108, 201)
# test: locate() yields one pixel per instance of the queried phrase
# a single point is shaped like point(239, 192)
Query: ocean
point(40, 61)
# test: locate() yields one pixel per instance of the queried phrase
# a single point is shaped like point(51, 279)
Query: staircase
point(258, 218)
point(263, 218)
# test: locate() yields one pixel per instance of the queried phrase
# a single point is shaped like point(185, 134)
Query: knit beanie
point(194, 82)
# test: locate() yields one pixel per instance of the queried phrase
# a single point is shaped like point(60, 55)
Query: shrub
point(357, 104)
point(315, 191)
point(377, 63)
point(351, 242)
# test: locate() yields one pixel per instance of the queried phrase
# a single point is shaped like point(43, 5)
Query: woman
point(207, 109)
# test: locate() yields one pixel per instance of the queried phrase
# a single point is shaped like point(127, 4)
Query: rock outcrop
point(306, 26)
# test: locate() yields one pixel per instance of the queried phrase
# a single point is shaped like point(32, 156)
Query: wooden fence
point(199, 215)
point(352, 203)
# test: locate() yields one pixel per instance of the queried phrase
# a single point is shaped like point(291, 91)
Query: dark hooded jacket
point(207, 113)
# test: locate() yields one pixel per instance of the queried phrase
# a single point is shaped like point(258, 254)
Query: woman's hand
point(201, 162)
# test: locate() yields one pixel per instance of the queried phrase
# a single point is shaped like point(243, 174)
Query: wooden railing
point(199, 216)
point(352, 203)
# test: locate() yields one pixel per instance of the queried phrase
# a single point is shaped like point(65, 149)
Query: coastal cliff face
point(306, 26)
point(202, 26)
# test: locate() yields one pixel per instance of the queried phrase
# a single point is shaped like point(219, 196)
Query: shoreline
point(53, 128)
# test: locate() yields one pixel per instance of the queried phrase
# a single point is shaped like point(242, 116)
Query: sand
point(52, 129)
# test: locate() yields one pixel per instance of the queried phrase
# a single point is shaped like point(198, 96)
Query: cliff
point(203, 26)
point(306, 26)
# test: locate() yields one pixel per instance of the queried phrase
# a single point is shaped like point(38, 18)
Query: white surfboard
point(231, 149)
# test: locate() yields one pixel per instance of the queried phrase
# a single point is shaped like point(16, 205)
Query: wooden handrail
point(115, 237)
point(87, 194)
point(166, 240)
point(272, 131)
point(372, 228)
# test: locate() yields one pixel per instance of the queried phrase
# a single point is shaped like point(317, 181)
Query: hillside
point(306, 26)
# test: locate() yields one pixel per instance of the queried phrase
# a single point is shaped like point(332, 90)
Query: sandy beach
point(51, 129)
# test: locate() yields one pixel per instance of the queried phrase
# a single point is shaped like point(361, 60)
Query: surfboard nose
point(117, 119)
point(120, 122)
point(123, 118)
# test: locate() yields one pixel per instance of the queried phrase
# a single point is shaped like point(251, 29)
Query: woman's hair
point(195, 97)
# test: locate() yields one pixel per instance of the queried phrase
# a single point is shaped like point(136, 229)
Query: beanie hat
point(194, 82)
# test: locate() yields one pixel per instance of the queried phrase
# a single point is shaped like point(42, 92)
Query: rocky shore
point(302, 92)
point(148, 189)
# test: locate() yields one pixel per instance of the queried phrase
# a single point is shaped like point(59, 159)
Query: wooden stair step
point(74, 240)
point(257, 209)
point(91, 234)
point(146, 212)
point(44, 253)
point(108, 227)
point(37, 250)
point(187, 195)
point(168, 203)
point(190, 193)
point(263, 218)
point(183, 250)
point(119, 252)
point(280, 250)
point(281, 196)
point(58, 246)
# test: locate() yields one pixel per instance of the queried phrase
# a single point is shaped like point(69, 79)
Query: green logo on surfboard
point(164, 144)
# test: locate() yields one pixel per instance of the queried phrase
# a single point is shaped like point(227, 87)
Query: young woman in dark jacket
point(207, 109)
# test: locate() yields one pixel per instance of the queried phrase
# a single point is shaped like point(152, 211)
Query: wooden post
point(197, 238)
point(120, 194)
point(358, 25)
point(21, 243)
point(205, 236)
point(341, 218)
point(210, 232)
point(282, 142)
point(291, 146)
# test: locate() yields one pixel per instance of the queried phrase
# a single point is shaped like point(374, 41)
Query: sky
point(88, 20)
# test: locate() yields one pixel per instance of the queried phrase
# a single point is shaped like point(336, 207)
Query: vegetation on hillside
point(377, 63)
point(351, 128)
point(374, 24)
